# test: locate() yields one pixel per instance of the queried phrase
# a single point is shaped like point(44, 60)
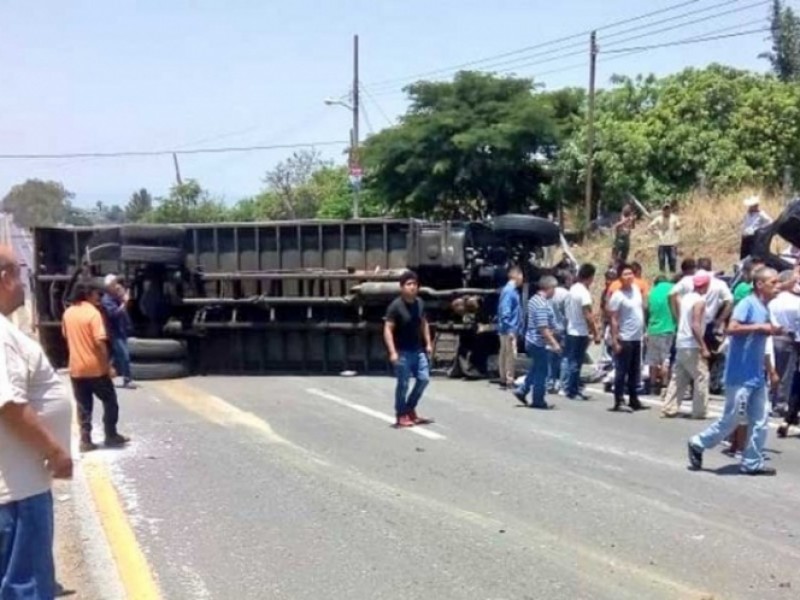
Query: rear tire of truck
point(156, 349)
point(152, 235)
point(159, 255)
point(159, 370)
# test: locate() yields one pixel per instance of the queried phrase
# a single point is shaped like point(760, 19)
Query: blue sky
point(155, 74)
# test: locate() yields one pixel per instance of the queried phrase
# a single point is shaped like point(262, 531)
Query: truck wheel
point(159, 370)
point(152, 235)
point(156, 349)
point(160, 255)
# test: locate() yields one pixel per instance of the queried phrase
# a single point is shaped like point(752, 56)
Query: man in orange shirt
point(89, 365)
point(638, 281)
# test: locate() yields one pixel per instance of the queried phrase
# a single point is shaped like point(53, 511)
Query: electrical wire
point(369, 95)
point(395, 80)
point(129, 153)
point(695, 40)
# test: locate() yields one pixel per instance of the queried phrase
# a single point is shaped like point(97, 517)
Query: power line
point(128, 153)
point(369, 95)
point(457, 67)
point(695, 40)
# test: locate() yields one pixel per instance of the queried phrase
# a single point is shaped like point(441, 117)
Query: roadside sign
point(356, 172)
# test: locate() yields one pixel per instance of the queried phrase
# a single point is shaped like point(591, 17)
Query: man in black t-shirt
point(408, 340)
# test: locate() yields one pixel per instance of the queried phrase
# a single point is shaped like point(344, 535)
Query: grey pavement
point(297, 487)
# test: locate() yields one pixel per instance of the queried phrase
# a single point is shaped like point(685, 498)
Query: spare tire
point(159, 255)
point(153, 235)
point(159, 370)
point(156, 349)
point(546, 232)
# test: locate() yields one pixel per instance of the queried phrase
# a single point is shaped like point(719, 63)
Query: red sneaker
point(404, 421)
point(417, 420)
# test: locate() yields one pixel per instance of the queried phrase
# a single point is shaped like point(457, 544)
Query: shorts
point(659, 348)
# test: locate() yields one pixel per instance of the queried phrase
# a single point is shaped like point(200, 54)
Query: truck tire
point(546, 231)
point(159, 370)
point(160, 255)
point(156, 349)
point(153, 235)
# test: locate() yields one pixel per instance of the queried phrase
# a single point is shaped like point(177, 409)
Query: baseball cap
point(701, 278)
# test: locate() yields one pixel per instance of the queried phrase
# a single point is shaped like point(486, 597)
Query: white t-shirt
point(579, 298)
point(685, 338)
point(784, 311)
point(26, 376)
point(718, 293)
point(559, 304)
point(628, 304)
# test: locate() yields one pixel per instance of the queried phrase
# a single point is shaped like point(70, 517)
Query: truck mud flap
point(159, 370)
point(156, 349)
point(159, 255)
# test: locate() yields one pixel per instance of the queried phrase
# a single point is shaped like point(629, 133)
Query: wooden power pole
point(355, 161)
point(177, 168)
point(590, 126)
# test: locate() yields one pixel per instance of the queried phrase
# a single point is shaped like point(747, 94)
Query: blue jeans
point(27, 570)
point(122, 357)
point(410, 364)
point(536, 379)
point(754, 402)
point(557, 366)
point(574, 352)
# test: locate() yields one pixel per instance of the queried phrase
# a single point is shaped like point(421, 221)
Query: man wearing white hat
point(754, 219)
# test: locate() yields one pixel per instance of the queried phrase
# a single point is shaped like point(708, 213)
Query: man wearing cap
point(666, 225)
point(754, 219)
point(408, 339)
point(115, 305)
point(691, 352)
point(89, 366)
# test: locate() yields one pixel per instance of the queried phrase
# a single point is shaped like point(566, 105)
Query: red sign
point(356, 172)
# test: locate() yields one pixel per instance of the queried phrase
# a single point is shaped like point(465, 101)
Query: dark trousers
point(790, 418)
point(85, 389)
point(667, 256)
point(122, 358)
point(627, 370)
point(786, 365)
point(575, 350)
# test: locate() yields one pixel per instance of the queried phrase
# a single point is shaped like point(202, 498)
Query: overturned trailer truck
point(297, 296)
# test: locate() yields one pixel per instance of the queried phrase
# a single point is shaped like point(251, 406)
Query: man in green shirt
point(660, 333)
point(745, 287)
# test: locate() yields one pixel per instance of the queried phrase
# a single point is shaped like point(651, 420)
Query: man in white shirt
point(666, 225)
point(754, 219)
point(556, 363)
point(784, 312)
point(626, 310)
point(35, 416)
point(580, 325)
point(690, 352)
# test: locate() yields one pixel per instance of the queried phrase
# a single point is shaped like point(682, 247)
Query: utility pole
point(177, 169)
point(590, 127)
point(355, 162)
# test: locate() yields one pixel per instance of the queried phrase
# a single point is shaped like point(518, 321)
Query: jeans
point(627, 369)
point(574, 352)
point(27, 570)
point(84, 390)
point(786, 365)
point(754, 402)
point(557, 366)
point(122, 357)
point(536, 379)
point(413, 363)
point(667, 256)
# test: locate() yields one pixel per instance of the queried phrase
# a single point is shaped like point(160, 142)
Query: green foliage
point(785, 54)
point(38, 203)
point(659, 137)
point(139, 206)
point(464, 148)
point(188, 203)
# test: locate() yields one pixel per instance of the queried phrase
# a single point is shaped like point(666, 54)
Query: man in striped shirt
point(538, 337)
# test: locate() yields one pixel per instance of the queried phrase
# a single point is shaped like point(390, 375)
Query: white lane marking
point(366, 410)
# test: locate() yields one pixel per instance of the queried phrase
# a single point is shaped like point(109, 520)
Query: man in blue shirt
point(115, 305)
point(509, 326)
point(745, 378)
point(539, 335)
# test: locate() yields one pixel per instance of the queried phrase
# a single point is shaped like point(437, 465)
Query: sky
point(85, 76)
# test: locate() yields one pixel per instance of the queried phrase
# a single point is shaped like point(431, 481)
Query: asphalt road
point(297, 487)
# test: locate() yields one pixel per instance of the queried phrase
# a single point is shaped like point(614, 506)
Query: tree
point(288, 194)
point(139, 206)
point(188, 203)
point(464, 148)
point(38, 203)
point(785, 32)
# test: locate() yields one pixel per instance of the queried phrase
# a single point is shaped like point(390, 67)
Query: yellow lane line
point(135, 574)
